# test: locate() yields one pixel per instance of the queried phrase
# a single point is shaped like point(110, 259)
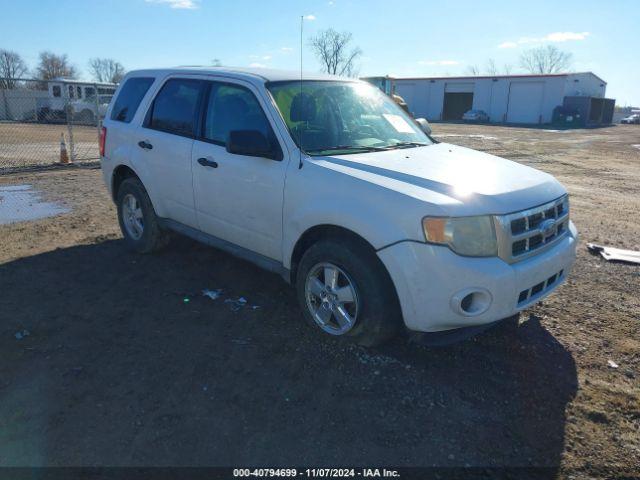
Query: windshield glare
point(344, 117)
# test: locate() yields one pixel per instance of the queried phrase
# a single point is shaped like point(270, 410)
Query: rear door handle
point(208, 163)
point(144, 144)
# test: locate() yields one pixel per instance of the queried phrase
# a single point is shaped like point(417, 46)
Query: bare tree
point(334, 53)
point(12, 67)
point(547, 59)
point(54, 66)
point(106, 70)
point(491, 67)
point(473, 70)
point(493, 70)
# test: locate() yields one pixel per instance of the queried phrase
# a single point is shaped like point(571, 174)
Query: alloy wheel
point(132, 216)
point(332, 298)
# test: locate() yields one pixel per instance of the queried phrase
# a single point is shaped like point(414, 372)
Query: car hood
point(458, 180)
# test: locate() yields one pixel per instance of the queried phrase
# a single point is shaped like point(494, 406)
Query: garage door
point(455, 104)
point(458, 87)
point(525, 102)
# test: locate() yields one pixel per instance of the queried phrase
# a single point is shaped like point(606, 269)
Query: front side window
point(71, 91)
point(79, 92)
point(56, 90)
point(232, 107)
point(174, 108)
point(89, 92)
point(341, 117)
point(129, 98)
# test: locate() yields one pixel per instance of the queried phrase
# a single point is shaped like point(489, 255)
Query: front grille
point(538, 289)
point(528, 232)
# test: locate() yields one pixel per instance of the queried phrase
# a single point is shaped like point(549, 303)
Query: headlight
point(471, 236)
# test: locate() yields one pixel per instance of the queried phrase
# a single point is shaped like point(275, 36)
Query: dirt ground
point(126, 363)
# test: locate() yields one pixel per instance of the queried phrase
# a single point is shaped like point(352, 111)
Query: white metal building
point(527, 99)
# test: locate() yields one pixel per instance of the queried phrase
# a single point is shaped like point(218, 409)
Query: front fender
point(317, 196)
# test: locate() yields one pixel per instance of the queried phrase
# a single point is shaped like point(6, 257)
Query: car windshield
point(342, 117)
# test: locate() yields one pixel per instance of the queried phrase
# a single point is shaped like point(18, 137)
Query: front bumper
point(431, 280)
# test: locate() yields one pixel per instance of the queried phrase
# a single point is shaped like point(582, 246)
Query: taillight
point(103, 139)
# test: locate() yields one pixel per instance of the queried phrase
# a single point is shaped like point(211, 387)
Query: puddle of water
point(636, 146)
point(20, 203)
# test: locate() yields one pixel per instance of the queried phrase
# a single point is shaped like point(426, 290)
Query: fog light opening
point(471, 302)
point(467, 303)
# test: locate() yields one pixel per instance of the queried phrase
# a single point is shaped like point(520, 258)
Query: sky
point(401, 38)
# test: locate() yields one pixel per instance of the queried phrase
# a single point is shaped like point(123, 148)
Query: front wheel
point(345, 291)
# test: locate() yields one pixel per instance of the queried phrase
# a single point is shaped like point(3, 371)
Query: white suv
point(329, 183)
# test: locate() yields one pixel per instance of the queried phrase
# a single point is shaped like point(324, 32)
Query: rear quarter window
point(129, 98)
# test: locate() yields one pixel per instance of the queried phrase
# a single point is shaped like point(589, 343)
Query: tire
point(375, 313)
point(137, 218)
point(86, 117)
point(43, 114)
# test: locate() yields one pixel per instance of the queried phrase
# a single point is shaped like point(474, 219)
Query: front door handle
point(208, 163)
point(144, 144)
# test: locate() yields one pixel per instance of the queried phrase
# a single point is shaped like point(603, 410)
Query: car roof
point(261, 75)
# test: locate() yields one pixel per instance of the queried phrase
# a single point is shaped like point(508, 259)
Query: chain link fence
point(36, 116)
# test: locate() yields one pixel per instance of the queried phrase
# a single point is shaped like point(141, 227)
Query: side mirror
point(251, 143)
point(424, 125)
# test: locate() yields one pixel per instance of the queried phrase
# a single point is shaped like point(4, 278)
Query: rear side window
point(174, 108)
point(129, 98)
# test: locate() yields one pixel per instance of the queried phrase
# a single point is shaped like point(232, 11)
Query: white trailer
point(86, 100)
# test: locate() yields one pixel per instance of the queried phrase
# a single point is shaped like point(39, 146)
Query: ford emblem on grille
point(547, 227)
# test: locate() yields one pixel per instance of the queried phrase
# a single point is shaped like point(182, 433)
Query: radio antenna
point(302, 129)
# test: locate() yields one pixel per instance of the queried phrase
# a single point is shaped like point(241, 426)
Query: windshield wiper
point(406, 145)
point(370, 148)
point(349, 148)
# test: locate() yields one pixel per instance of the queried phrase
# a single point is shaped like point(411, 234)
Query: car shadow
point(121, 360)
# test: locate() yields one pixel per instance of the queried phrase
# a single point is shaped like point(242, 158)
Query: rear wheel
point(138, 221)
point(86, 117)
point(345, 291)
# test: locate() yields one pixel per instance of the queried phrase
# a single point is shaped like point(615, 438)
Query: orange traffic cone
point(64, 157)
